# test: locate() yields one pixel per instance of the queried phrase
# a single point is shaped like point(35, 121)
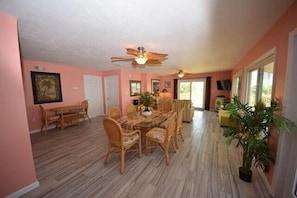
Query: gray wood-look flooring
point(69, 163)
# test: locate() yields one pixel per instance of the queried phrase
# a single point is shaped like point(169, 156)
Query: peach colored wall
point(70, 77)
point(17, 167)
point(126, 76)
point(277, 37)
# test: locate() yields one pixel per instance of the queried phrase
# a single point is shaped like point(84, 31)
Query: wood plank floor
point(69, 163)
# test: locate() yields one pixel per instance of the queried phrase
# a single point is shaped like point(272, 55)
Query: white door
point(93, 93)
point(111, 87)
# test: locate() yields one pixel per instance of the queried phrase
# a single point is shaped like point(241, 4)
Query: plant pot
point(147, 113)
point(244, 175)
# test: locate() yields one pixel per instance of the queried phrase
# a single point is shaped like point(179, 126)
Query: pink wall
point(70, 77)
point(17, 167)
point(278, 37)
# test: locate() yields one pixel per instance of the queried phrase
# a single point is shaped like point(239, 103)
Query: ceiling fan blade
point(153, 62)
point(122, 58)
point(154, 55)
point(132, 51)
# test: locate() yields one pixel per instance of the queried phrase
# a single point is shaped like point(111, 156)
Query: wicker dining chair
point(84, 110)
point(114, 112)
point(167, 106)
point(130, 109)
point(48, 119)
point(120, 139)
point(162, 136)
point(179, 123)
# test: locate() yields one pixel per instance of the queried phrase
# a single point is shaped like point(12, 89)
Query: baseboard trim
point(24, 190)
point(267, 184)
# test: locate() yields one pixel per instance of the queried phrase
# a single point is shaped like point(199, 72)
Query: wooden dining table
point(69, 114)
point(144, 123)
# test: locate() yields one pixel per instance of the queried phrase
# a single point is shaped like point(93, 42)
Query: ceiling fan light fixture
point(180, 74)
point(141, 60)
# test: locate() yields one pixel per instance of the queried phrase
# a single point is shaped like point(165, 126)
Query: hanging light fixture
point(141, 59)
point(180, 74)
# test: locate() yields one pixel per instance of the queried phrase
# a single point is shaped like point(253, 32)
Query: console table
point(68, 114)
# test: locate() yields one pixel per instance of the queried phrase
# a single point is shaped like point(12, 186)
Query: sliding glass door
point(192, 90)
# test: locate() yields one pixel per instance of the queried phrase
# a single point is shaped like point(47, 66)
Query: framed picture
point(167, 84)
point(135, 88)
point(46, 87)
point(155, 85)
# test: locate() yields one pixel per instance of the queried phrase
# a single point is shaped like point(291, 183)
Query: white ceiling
point(199, 35)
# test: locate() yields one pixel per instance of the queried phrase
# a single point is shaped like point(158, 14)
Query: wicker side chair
point(179, 124)
point(115, 113)
point(162, 136)
point(131, 109)
point(48, 119)
point(119, 139)
point(84, 110)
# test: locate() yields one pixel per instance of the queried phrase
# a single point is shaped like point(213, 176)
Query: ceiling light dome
point(180, 74)
point(141, 60)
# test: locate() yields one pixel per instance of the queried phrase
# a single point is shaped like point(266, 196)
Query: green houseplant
point(146, 99)
point(251, 128)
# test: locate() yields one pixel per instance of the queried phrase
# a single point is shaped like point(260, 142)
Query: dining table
point(69, 114)
point(144, 123)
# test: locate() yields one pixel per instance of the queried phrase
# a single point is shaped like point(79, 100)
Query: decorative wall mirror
point(135, 88)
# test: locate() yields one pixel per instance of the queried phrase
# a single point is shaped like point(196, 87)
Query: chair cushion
point(130, 139)
point(157, 133)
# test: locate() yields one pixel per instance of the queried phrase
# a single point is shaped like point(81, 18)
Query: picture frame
point(46, 87)
point(167, 84)
point(155, 85)
point(135, 88)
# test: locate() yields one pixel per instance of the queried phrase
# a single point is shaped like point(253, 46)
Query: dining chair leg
point(139, 148)
point(107, 154)
point(148, 146)
point(181, 135)
point(122, 160)
point(176, 142)
point(166, 153)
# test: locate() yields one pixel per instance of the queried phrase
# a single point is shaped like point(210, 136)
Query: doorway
point(93, 93)
point(111, 87)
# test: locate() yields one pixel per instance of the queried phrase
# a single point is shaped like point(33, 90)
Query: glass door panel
point(197, 94)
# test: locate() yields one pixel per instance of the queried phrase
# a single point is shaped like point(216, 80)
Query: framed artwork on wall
point(167, 84)
point(155, 85)
point(135, 88)
point(46, 87)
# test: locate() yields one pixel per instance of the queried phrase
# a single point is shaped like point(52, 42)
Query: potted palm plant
point(251, 128)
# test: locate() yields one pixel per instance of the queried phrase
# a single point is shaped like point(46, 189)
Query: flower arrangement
point(146, 99)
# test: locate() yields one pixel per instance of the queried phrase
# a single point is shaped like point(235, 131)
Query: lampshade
point(141, 60)
point(180, 74)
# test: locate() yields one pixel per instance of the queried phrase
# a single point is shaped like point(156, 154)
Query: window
point(236, 82)
point(260, 81)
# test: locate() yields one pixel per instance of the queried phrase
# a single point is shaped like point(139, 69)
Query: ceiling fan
point(181, 74)
point(140, 57)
